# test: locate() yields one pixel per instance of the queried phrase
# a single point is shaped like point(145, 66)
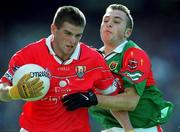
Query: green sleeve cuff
point(138, 86)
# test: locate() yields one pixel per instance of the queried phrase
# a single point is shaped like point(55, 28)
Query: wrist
point(93, 97)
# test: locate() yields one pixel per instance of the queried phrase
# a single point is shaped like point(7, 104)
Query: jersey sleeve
point(106, 83)
point(15, 62)
point(135, 69)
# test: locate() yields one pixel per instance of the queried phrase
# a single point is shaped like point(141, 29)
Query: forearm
point(115, 103)
point(4, 93)
point(126, 101)
point(123, 118)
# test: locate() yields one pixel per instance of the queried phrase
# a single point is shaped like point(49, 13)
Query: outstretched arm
point(78, 100)
point(24, 89)
point(126, 101)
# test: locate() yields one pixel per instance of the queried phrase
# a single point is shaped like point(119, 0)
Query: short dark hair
point(123, 8)
point(69, 14)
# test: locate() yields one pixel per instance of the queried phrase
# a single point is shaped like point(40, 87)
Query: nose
point(73, 39)
point(109, 24)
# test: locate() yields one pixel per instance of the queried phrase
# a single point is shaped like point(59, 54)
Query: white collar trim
point(117, 49)
point(74, 56)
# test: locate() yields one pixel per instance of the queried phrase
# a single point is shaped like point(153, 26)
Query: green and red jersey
point(131, 65)
point(85, 70)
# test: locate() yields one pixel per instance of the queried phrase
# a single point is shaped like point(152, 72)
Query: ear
point(128, 32)
point(53, 29)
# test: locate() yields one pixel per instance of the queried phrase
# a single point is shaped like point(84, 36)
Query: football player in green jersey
point(131, 65)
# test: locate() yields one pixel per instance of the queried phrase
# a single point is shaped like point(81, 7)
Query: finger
point(38, 87)
point(34, 81)
point(65, 98)
point(68, 98)
point(38, 94)
point(23, 78)
point(72, 107)
point(39, 83)
point(71, 97)
point(27, 77)
point(70, 102)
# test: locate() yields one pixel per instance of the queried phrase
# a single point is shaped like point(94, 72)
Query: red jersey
point(85, 70)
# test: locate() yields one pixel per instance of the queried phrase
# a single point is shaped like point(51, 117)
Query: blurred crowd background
point(156, 29)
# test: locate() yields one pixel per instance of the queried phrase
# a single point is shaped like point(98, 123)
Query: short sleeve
point(15, 62)
point(106, 83)
point(135, 69)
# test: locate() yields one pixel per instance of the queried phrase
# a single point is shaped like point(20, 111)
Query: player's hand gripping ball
point(30, 83)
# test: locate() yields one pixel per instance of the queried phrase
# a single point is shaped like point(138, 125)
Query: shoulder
point(132, 50)
point(90, 50)
point(134, 55)
point(136, 65)
point(135, 51)
point(92, 53)
point(29, 50)
point(32, 47)
point(35, 45)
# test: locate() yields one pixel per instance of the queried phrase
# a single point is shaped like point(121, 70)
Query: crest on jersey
point(132, 64)
point(80, 71)
point(113, 65)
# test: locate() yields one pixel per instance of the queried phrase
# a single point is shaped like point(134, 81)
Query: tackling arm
point(126, 101)
point(123, 118)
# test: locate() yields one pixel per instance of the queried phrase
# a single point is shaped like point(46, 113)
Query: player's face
point(113, 27)
point(66, 39)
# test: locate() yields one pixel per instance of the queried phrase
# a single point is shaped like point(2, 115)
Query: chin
point(107, 38)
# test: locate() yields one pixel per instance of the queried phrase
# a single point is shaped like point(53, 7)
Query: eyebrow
point(67, 31)
point(116, 17)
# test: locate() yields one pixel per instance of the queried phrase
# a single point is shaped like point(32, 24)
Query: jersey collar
point(118, 49)
point(74, 56)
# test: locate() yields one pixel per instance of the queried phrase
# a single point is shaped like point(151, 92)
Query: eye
point(67, 33)
point(105, 20)
point(78, 36)
point(117, 22)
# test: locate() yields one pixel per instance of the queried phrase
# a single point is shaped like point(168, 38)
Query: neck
point(109, 47)
point(58, 53)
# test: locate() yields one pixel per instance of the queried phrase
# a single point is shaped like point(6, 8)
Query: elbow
point(133, 104)
point(132, 107)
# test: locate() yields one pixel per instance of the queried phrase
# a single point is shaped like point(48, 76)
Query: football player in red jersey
point(72, 67)
point(131, 65)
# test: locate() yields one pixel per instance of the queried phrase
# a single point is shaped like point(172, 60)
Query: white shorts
point(151, 129)
point(23, 130)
